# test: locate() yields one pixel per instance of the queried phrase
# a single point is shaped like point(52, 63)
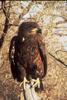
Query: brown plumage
point(27, 53)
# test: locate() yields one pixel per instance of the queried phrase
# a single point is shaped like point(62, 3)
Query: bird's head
point(29, 28)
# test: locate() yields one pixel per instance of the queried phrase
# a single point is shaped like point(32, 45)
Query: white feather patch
point(23, 39)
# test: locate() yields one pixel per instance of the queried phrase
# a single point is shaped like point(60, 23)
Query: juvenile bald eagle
point(27, 53)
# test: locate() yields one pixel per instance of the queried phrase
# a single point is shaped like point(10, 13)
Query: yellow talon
point(21, 84)
point(37, 83)
point(24, 82)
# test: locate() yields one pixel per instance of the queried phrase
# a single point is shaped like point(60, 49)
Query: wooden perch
point(29, 93)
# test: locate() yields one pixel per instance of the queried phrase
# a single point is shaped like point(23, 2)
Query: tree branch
point(58, 59)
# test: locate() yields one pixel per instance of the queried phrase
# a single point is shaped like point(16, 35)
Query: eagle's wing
point(41, 48)
point(18, 71)
point(14, 69)
point(12, 49)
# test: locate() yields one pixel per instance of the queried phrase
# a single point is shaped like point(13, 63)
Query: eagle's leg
point(24, 82)
point(36, 82)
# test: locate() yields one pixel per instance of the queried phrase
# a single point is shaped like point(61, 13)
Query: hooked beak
point(37, 30)
point(34, 30)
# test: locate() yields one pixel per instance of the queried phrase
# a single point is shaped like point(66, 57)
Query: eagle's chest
point(28, 49)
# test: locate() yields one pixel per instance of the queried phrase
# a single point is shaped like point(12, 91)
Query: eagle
point(27, 54)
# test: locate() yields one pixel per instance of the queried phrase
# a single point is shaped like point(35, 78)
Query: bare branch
point(58, 59)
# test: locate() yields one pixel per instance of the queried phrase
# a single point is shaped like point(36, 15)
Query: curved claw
point(34, 83)
point(24, 82)
point(37, 82)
